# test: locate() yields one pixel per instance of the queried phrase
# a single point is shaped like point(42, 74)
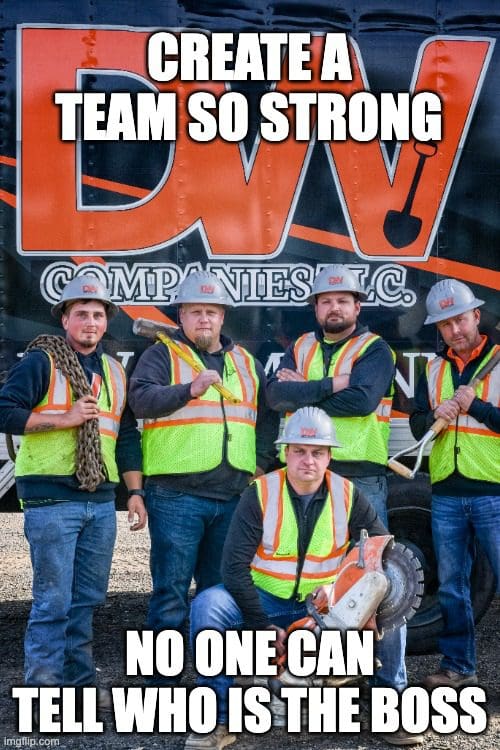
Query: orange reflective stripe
point(439, 382)
point(275, 573)
point(239, 374)
point(471, 430)
point(343, 355)
point(279, 518)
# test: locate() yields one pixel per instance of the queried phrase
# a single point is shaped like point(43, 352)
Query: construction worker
point(200, 450)
point(464, 467)
point(347, 371)
point(67, 400)
point(288, 536)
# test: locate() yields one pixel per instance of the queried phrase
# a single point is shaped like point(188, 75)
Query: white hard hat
point(309, 426)
point(85, 287)
point(202, 286)
point(448, 298)
point(336, 278)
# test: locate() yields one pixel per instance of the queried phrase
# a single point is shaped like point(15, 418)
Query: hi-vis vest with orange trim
point(362, 438)
point(466, 443)
point(192, 438)
point(54, 452)
point(274, 567)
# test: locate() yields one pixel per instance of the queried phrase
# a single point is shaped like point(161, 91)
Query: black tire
point(409, 510)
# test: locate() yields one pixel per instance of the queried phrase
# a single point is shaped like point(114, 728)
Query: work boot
point(216, 740)
point(448, 678)
point(104, 699)
point(401, 738)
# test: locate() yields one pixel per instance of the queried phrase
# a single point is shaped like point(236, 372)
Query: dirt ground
point(126, 609)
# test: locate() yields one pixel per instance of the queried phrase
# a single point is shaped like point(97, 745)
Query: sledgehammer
point(163, 332)
point(435, 429)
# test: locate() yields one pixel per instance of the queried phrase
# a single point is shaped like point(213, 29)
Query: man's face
point(202, 324)
point(336, 312)
point(461, 332)
point(306, 464)
point(85, 324)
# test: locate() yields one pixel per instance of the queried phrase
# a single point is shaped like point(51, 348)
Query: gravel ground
point(126, 608)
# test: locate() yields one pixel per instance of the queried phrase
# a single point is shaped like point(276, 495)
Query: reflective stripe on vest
point(54, 452)
point(275, 564)
point(469, 443)
point(192, 437)
point(363, 438)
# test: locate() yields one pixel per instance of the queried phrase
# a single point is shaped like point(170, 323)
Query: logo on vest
point(448, 302)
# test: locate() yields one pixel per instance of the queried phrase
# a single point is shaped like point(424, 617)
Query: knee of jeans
point(210, 609)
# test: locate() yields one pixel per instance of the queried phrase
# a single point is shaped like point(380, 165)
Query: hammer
point(163, 332)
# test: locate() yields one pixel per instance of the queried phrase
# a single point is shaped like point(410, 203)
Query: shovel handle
point(439, 425)
point(400, 469)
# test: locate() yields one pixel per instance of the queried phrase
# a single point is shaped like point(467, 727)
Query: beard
point(203, 341)
point(336, 326)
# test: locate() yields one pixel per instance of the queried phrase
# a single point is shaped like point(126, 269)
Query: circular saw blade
point(406, 587)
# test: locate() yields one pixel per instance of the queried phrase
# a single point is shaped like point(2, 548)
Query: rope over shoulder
point(90, 471)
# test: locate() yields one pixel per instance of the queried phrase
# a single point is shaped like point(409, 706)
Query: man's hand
point(339, 382)
point(203, 381)
point(82, 410)
point(279, 643)
point(136, 509)
point(464, 396)
point(289, 375)
point(448, 410)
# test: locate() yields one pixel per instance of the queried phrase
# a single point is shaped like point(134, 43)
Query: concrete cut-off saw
point(379, 587)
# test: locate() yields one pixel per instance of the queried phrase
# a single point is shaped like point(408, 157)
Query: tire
point(409, 511)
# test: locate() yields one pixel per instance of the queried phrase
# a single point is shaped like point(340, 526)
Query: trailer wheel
point(409, 510)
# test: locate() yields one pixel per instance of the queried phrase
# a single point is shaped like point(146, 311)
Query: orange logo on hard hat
point(332, 280)
point(448, 302)
point(207, 288)
point(307, 432)
point(89, 289)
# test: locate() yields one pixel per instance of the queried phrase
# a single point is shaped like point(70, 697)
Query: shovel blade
point(401, 229)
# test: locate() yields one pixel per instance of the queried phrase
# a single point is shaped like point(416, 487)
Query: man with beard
point(348, 372)
point(200, 451)
point(464, 467)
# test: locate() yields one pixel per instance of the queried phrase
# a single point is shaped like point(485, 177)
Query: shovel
point(400, 227)
point(435, 429)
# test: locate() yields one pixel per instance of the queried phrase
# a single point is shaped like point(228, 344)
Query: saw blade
point(406, 587)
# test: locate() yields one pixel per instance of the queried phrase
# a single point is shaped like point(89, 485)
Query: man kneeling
point(280, 547)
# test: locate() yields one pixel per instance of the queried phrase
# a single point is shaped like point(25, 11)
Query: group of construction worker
point(256, 539)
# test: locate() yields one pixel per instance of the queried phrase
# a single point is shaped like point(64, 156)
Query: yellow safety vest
point(466, 443)
point(54, 452)
point(192, 438)
point(362, 438)
point(274, 567)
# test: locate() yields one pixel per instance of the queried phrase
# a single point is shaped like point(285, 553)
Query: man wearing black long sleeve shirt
point(200, 449)
point(287, 538)
point(348, 372)
point(57, 389)
point(464, 467)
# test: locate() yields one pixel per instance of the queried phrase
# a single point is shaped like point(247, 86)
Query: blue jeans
point(187, 536)
point(216, 609)
point(71, 546)
point(391, 649)
point(455, 523)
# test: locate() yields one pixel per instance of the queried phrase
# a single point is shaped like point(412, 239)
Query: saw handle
point(160, 331)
